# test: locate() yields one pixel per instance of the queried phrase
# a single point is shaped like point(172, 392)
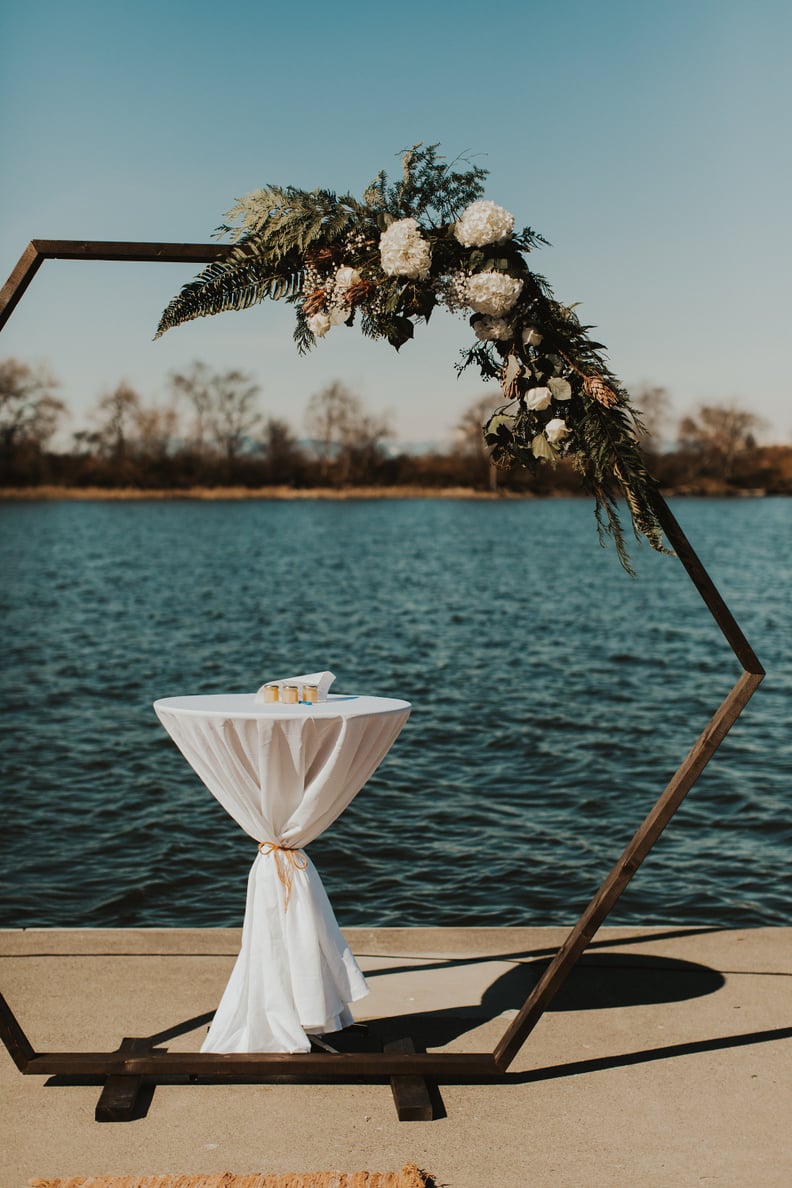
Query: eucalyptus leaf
point(499, 429)
point(541, 448)
point(560, 388)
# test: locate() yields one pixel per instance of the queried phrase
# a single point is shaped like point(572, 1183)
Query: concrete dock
point(666, 1060)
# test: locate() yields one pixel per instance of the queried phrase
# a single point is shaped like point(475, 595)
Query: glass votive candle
point(291, 694)
point(310, 693)
point(271, 693)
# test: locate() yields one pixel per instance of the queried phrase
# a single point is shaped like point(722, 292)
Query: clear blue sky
point(650, 143)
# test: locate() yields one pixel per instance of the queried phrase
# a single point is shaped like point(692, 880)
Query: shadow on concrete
point(182, 1028)
point(602, 981)
point(599, 981)
point(550, 951)
point(647, 1055)
point(608, 980)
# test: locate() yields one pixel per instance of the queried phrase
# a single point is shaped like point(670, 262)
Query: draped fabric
point(284, 773)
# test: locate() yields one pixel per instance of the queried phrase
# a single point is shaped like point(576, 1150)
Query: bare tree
point(195, 387)
point(233, 417)
point(343, 433)
point(118, 412)
point(30, 413)
point(469, 435)
point(653, 405)
point(719, 432)
point(327, 419)
point(156, 431)
point(224, 407)
point(281, 450)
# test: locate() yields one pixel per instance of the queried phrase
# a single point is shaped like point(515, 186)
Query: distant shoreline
point(218, 494)
point(239, 493)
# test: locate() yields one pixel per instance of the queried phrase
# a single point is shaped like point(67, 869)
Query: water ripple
point(553, 699)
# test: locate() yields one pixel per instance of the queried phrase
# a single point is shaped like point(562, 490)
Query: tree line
point(213, 432)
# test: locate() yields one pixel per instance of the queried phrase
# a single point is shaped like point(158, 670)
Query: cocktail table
point(284, 773)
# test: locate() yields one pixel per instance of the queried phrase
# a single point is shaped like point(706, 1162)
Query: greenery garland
point(427, 240)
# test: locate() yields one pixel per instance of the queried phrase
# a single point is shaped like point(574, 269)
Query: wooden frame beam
point(405, 1068)
point(39, 250)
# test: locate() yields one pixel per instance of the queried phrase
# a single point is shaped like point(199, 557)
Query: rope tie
point(286, 861)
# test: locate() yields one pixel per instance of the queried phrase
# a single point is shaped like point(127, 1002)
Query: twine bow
point(286, 861)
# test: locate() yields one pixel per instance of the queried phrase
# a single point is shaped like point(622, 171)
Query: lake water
point(553, 697)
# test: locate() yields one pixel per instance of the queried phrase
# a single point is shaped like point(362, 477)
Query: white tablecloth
point(284, 773)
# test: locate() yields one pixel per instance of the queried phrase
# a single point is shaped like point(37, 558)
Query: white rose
point(561, 388)
point(491, 329)
point(492, 293)
point(404, 251)
point(556, 430)
point(346, 277)
point(319, 324)
point(537, 398)
point(483, 222)
point(338, 315)
point(531, 336)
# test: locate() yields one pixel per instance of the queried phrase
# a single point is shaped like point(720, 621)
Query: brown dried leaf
point(358, 292)
point(314, 302)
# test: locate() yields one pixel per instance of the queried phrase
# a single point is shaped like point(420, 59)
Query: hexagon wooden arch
point(123, 1072)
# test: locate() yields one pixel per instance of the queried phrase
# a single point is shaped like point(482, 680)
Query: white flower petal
point(537, 398)
point(483, 222)
point(489, 329)
point(346, 277)
point(404, 251)
point(492, 293)
point(556, 430)
point(319, 324)
point(531, 336)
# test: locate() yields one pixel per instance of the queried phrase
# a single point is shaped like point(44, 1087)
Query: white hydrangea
point(492, 293)
point(483, 222)
point(404, 251)
point(556, 430)
point(537, 398)
point(492, 329)
point(319, 324)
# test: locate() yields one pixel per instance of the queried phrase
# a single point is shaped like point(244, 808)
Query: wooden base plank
point(411, 1092)
point(211, 1066)
point(119, 1097)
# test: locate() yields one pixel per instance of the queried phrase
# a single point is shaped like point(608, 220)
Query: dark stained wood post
point(17, 1043)
point(675, 792)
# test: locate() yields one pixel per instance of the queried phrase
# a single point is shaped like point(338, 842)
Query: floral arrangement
point(432, 239)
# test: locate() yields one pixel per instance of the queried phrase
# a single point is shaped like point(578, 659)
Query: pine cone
point(596, 389)
point(314, 302)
